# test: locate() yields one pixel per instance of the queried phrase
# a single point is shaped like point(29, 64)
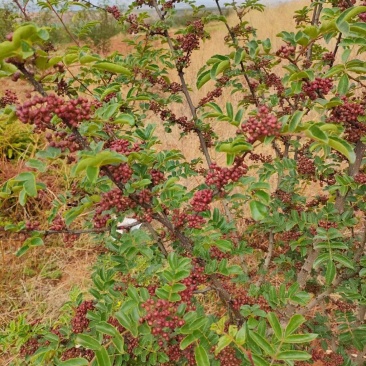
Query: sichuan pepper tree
point(249, 267)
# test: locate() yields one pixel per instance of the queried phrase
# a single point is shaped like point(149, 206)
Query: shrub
point(259, 261)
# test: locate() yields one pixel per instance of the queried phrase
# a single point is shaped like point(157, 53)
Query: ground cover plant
point(254, 259)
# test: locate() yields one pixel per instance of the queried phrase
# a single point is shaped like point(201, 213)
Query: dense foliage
point(257, 262)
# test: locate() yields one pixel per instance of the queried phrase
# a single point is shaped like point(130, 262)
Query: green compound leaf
point(294, 324)
point(293, 356)
point(343, 147)
point(201, 356)
point(87, 342)
point(74, 362)
point(258, 210)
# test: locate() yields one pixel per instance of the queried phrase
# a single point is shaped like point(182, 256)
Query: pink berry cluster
point(114, 11)
point(9, 98)
point(40, 110)
point(264, 123)
point(201, 200)
point(286, 51)
point(315, 88)
point(219, 177)
point(114, 199)
point(189, 42)
point(80, 322)
point(161, 316)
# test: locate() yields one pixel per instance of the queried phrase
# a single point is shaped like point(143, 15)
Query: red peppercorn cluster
point(216, 253)
point(114, 199)
point(189, 42)
point(327, 224)
point(328, 58)
point(195, 221)
point(77, 352)
point(58, 224)
point(176, 355)
point(260, 158)
point(80, 322)
point(227, 357)
point(29, 347)
point(196, 278)
point(288, 236)
point(321, 199)
point(169, 4)
point(113, 321)
point(123, 146)
point(31, 226)
point(40, 110)
point(240, 297)
point(63, 140)
point(305, 166)
point(286, 51)
point(157, 176)
point(264, 123)
point(114, 11)
point(272, 80)
point(333, 359)
point(146, 215)
point(144, 196)
point(360, 178)
point(167, 115)
point(9, 98)
point(348, 114)
point(318, 87)
point(283, 196)
point(343, 4)
point(62, 87)
point(220, 177)
point(109, 97)
point(161, 316)
point(121, 173)
point(216, 93)
point(201, 200)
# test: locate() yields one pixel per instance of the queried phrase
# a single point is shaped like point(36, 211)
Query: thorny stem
point(22, 9)
point(233, 37)
point(63, 24)
point(314, 21)
point(336, 49)
point(185, 89)
point(37, 86)
point(267, 261)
